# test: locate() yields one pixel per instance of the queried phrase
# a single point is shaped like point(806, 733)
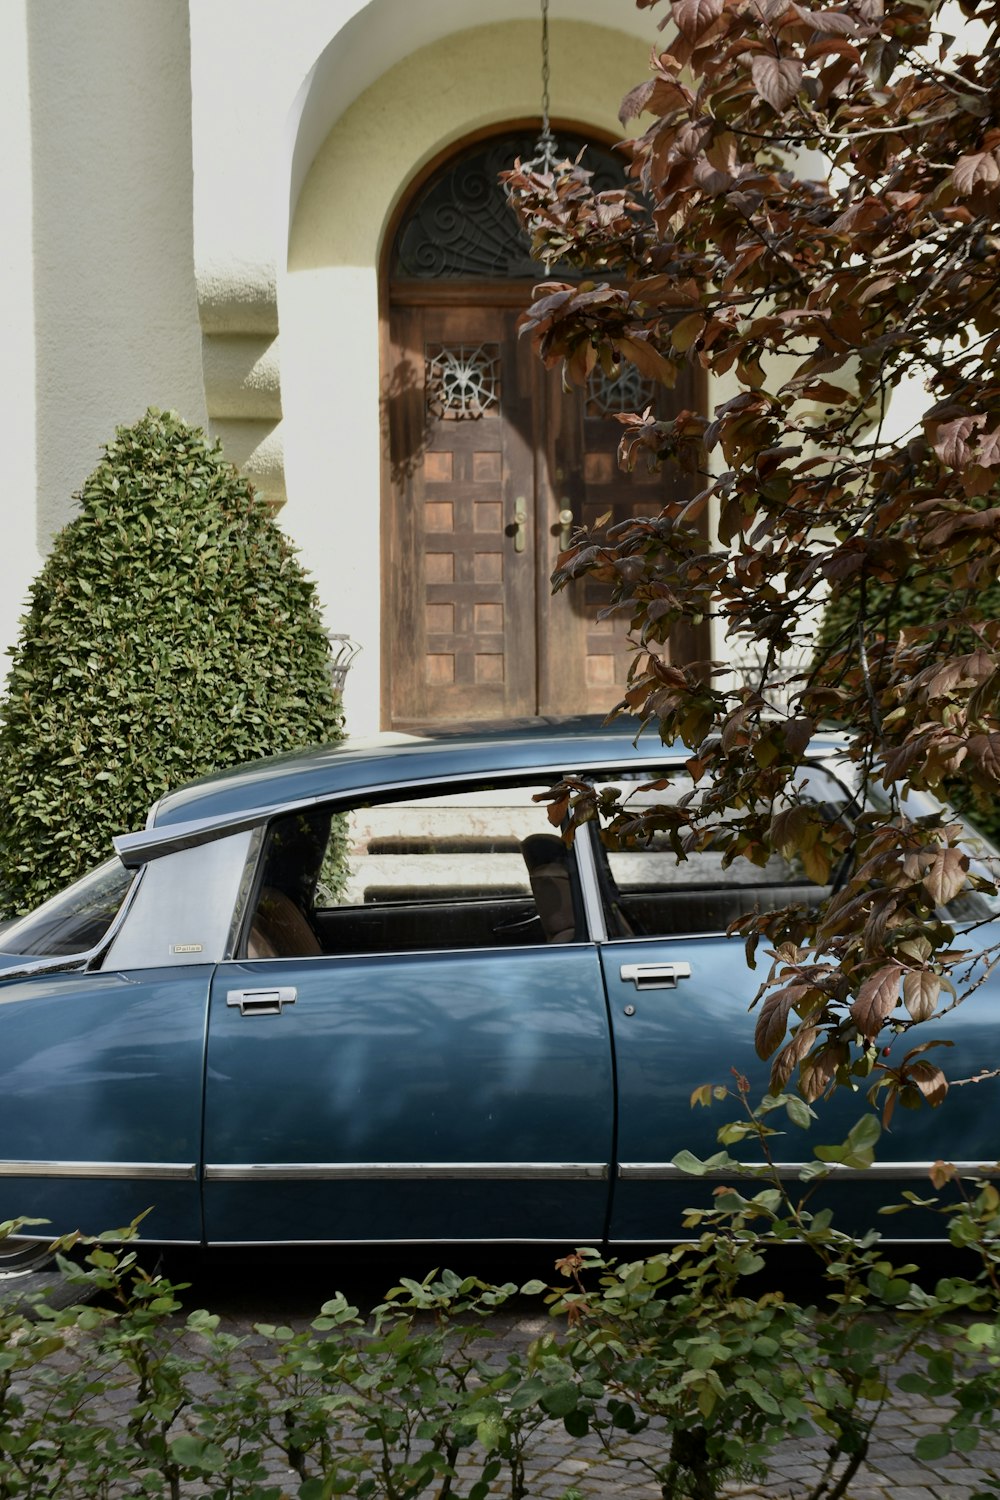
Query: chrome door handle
point(566, 527)
point(655, 976)
point(262, 1002)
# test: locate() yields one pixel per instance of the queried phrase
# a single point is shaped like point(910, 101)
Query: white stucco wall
point(270, 79)
point(19, 554)
point(328, 301)
point(115, 311)
point(268, 83)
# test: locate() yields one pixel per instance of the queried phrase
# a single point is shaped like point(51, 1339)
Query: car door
point(102, 1050)
point(100, 1111)
point(680, 994)
point(415, 1043)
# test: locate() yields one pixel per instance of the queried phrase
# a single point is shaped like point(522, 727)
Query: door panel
point(464, 1095)
point(102, 1090)
point(585, 659)
point(670, 1040)
point(492, 467)
point(459, 588)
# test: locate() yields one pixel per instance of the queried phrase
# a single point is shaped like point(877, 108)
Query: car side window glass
point(984, 857)
point(75, 920)
point(649, 892)
point(464, 869)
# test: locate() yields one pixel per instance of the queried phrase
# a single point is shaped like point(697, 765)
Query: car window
point(471, 869)
point(76, 919)
point(984, 858)
point(648, 891)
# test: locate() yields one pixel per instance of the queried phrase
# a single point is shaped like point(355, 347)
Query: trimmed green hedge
point(170, 633)
point(889, 610)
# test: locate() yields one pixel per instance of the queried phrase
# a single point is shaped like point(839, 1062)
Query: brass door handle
point(520, 528)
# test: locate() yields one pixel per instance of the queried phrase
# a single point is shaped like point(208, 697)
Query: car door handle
point(655, 976)
point(262, 1002)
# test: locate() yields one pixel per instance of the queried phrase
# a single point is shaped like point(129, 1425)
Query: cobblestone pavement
point(559, 1464)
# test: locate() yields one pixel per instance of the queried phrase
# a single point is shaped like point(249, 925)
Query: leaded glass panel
point(609, 395)
point(461, 225)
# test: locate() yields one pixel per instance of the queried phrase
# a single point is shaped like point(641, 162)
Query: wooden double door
point(492, 466)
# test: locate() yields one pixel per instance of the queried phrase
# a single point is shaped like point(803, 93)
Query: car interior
point(476, 870)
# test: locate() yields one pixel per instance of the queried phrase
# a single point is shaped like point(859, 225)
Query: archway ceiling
point(384, 32)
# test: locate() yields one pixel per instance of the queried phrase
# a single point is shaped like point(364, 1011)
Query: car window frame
point(676, 766)
point(346, 802)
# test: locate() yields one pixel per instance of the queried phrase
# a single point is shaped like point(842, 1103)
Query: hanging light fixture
point(546, 148)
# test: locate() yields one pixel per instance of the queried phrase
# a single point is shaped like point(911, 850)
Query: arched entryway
point(491, 464)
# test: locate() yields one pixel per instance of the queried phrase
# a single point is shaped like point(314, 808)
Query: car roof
point(455, 753)
point(396, 759)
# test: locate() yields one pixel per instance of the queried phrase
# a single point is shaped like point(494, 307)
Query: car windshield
point(75, 920)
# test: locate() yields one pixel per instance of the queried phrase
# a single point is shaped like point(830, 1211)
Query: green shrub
point(171, 633)
point(919, 601)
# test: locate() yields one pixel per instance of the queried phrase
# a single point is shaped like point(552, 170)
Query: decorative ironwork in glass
point(463, 380)
point(607, 395)
point(462, 226)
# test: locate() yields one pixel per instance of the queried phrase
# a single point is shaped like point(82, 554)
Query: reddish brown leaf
point(979, 170)
point(635, 101)
point(941, 1173)
point(776, 79)
point(950, 439)
point(920, 994)
point(929, 1079)
point(694, 17)
point(773, 1019)
point(983, 751)
point(945, 875)
point(988, 449)
point(647, 359)
point(831, 22)
point(790, 1056)
point(818, 1071)
point(877, 999)
point(832, 45)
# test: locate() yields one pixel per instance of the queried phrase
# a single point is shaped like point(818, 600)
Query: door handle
point(520, 523)
point(566, 527)
point(655, 976)
point(262, 1002)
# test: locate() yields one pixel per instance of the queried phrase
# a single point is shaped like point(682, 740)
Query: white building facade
point(207, 210)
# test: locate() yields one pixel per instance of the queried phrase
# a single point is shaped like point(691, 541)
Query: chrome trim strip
point(135, 849)
point(589, 884)
point(665, 1171)
point(153, 1171)
point(580, 1237)
point(323, 1171)
point(245, 893)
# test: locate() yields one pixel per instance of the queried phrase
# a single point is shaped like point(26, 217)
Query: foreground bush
point(671, 1366)
point(170, 633)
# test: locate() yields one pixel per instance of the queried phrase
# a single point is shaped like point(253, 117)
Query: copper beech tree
point(810, 215)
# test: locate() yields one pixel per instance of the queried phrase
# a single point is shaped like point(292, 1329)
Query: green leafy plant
point(907, 605)
point(676, 1364)
point(170, 633)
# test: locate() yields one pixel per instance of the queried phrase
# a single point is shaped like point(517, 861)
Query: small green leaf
point(932, 1445)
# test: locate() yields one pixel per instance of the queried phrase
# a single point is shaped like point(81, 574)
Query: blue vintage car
point(366, 993)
